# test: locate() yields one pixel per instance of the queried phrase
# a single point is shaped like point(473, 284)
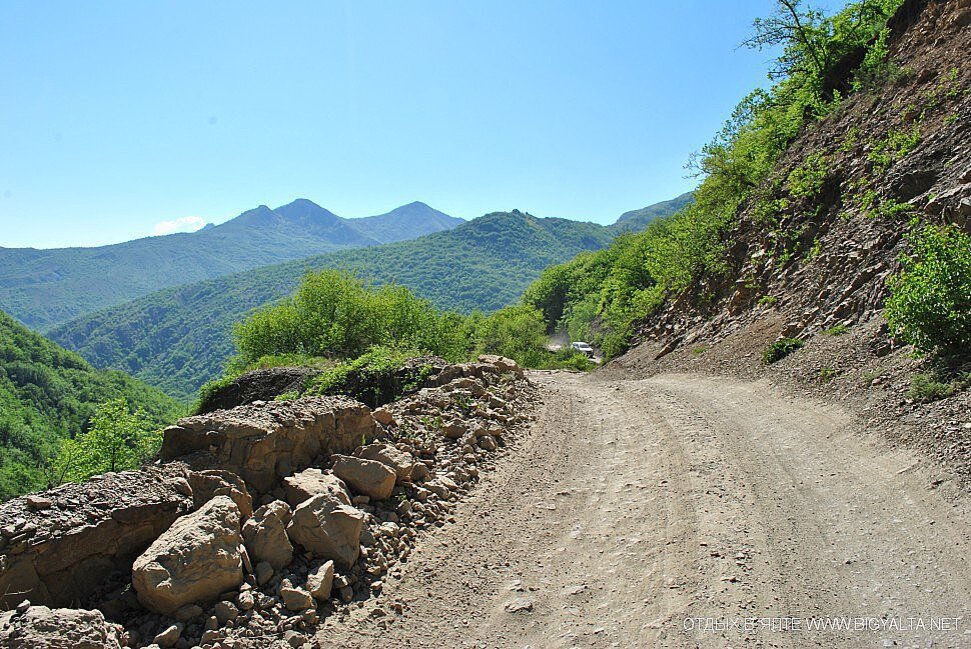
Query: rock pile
point(332, 516)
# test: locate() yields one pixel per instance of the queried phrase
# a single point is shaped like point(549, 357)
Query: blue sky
point(119, 116)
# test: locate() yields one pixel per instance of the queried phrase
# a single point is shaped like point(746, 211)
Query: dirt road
point(636, 511)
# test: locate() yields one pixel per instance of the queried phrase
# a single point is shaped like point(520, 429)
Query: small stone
point(264, 572)
point(488, 443)
point(454, 429)
point(519, 604)
point(295, 639)
point(296, 599)
point(246, 600)
point(383, 416)
point(320, 581)
point(188, 613)
point(39, 502)
point(225, 611)
point(169, 636)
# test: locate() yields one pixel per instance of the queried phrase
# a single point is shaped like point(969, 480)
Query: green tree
point(517, 332)
point(116, 440)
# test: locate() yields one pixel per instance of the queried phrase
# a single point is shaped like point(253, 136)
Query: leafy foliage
point(336, 314)
point(780, 349)
point(376, 377)
point(926, 387)
point(48, 394)
point(117, 439)
point(930, 300)
point(368, 334)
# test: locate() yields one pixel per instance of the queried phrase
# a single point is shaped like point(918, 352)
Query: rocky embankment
point(256, 522)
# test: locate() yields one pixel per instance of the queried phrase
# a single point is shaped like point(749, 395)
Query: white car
point(583, 347)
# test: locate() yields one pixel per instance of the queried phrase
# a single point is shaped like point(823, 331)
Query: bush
point(930, 300)
point(926, 387)
point(335, 314)
point(838, 330)
point(517, 332)
point(379, 376)
point(780, 349)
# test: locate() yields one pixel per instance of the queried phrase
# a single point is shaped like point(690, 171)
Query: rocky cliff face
point(175, 554)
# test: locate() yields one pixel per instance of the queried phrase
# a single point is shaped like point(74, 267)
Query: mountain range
point(44, 288)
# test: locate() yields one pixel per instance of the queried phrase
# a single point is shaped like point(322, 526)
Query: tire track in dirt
point(631, 506)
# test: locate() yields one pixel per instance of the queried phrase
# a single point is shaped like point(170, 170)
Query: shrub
point(930, 300)
point(807, 181)
point(926, 387)
point(517, 332)
point(379, 376)
point(894, 147)
point(780, 349)
point(335, 314)
point(838, 330)
point(118, 439)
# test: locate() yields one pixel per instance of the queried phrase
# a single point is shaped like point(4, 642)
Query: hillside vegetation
point(47, 395)
point(341, 324)
point(179, 338)
point(44, 288)
point(805, 193)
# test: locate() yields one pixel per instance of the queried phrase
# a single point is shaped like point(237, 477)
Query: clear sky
point(122, 119)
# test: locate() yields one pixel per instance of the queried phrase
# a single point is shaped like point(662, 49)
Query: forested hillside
point(43, 288)
point(179, 338)
point(48, 393)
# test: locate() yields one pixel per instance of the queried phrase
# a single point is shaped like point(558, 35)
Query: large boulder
point(368, 477)
point(402, 462)
point(328, 529)
point(310, 482)
point(206, 485)
point(265, 442)
point(39, 627)
point(265, 535)
point(194, 561)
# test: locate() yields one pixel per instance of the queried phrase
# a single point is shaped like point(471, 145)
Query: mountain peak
point(406, 222)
